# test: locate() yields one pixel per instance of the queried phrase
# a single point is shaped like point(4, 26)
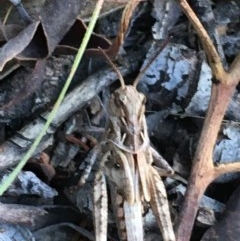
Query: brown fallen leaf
point(57, 23)
point(9, 31)
point(57, 32)
point(21, 42)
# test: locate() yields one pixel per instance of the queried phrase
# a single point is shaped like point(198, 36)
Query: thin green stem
point(8, 180)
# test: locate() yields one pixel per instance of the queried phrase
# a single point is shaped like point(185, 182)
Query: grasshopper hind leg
point(160, 207)
point(100, 207)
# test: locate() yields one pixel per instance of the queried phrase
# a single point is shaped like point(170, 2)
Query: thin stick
point(203, 171)
point(212, 54)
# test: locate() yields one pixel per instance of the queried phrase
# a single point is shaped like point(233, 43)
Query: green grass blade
point(9, 179)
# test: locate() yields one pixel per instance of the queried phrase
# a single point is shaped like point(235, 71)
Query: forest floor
point(37, 50)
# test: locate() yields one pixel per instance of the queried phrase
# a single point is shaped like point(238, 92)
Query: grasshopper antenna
point(149, 63)
point(114, 67)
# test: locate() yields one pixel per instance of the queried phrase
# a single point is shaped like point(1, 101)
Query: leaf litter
point(177, 86)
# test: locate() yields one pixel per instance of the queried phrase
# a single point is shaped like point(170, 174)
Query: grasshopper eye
point(117, 165)
point(121, 100)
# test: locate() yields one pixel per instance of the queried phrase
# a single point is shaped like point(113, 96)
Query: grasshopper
point(126, 164)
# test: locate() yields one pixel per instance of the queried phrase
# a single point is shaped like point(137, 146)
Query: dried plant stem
point(124, 25)
point(203, 171)
point(225, 168)
point(211, 52)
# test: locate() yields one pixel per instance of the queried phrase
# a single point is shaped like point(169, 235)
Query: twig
point(204, 11)
point(226, 168)
point(203, 171)
point(213, 57)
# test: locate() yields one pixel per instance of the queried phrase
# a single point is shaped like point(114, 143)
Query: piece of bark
point(228, 227)
point(166, 14)
point(19, 214)
point(27, 183)
point(12, 232)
